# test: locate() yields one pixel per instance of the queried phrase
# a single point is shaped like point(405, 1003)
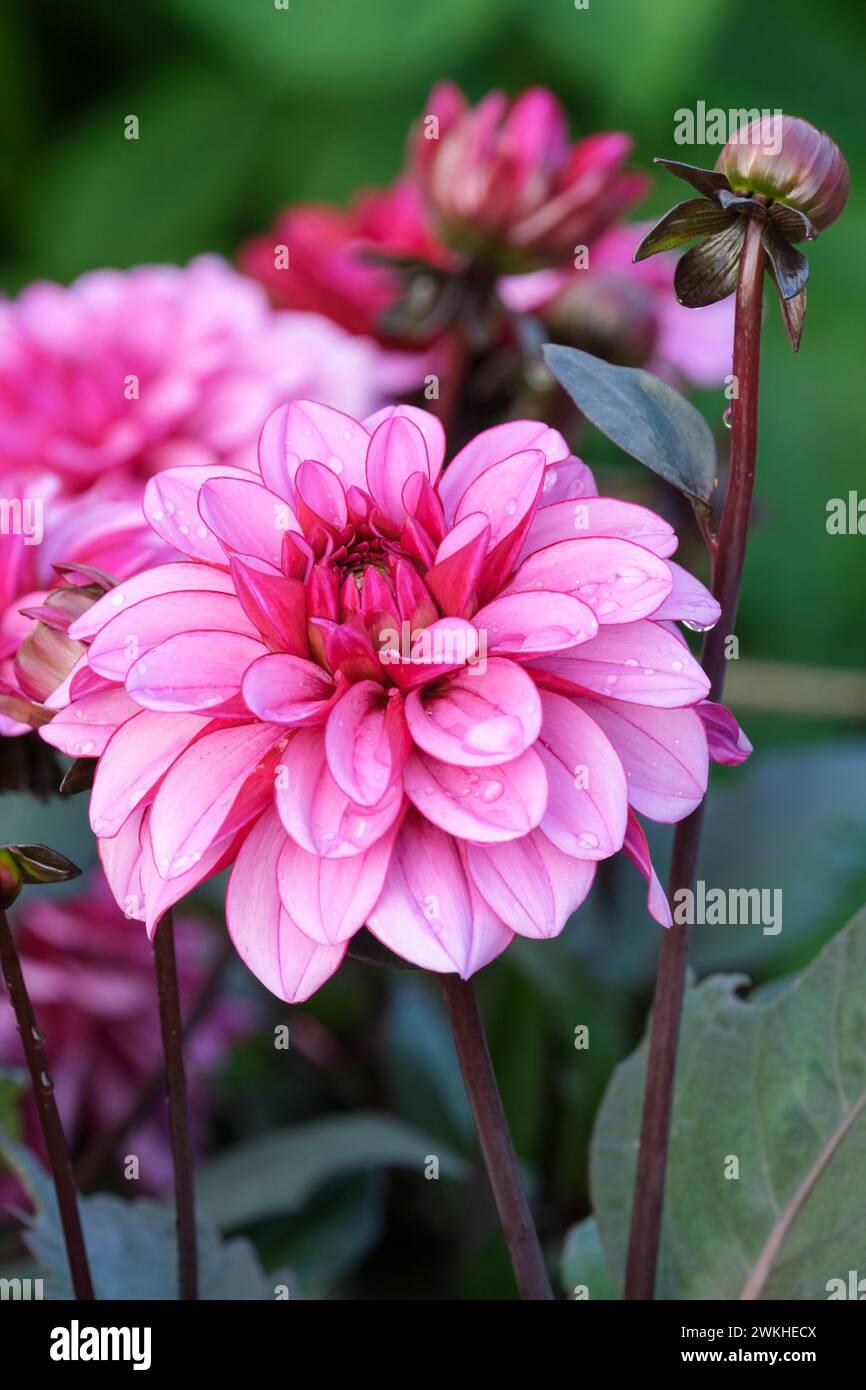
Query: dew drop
point(491, 790)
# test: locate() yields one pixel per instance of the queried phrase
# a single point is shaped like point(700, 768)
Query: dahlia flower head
point(424, 701)
point(501, 179)
point(90, 976)
point(121, 374)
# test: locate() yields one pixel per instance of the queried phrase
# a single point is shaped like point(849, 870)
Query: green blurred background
point(244, 108)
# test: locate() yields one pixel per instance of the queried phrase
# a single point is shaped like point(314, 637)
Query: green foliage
point(644, 416)
point(764, 1196)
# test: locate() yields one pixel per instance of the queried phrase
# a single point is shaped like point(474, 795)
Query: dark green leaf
point(792, 223)
point(790, 267)
point(708, 272)
point(644, 416)
point(583, 1265)
point(79, 777)
point(131, 1246)
point(40, 864)
point(277, 1173)
point(696, 218)
point(706, 181)
point(780, 1086)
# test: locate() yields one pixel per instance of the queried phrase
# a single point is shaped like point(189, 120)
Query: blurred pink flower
point(629, 313)
point(90, 975)
point(137, 369)
point(326, 260)
point(426, 701)
point(125, 372)
point(502, 181)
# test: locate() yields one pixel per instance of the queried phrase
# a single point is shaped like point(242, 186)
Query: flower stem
point(178, 1106)
point(728, 556)
point(49, 1116)
point(491, 1125)
point(99, 1152)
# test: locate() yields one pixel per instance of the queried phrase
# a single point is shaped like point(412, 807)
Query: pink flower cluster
point(90, 977)
point(427, 701)
point(124, 373)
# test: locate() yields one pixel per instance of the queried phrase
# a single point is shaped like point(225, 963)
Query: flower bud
point(10, 879)
point(790, 161)
point(503, 184)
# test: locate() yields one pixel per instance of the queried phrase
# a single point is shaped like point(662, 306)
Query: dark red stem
point(728, 558)
point(178, 1106)
point(49, 1116)
point(494, 1137)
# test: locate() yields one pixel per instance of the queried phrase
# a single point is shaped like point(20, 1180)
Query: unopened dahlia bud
point(789, 160)
point(10, 879)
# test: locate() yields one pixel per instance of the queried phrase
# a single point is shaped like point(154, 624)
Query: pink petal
point(81, 681)
point(534, 623)
point(504, 493)
point(446, 645)
point(321, 496)
point(284, 689)
point(397, 453)
point(148, 624)
point(159, 893)
point(191, 671)
point(171, 507)
point(476, 717)
point(135, 758)
point(317, 813)
point(196, 798)
point(620, 582)
point(248, 519)
point(567, 480)
point(275, 604)
point(689, 601)
point(453, 579)
point(287, 962)
point(83, 729)
point(600, 516)
point(492, 446)
point(727, 742)
point(430, 427)
point(429, 911)
point(306, 430)
point(639, 662)
point(163, 579)
point(329, 899)
point(663, 751)
point(366, 742)
point(498, 803)
point(588, 801)
point(637, 850)
point(530, 884)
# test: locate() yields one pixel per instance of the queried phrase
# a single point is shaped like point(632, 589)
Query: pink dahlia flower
point(429, 702)
point(90, 976)
point(135, 369)
point(501, 179)
point(329, 261)
point(104, 383)
point(629, 313)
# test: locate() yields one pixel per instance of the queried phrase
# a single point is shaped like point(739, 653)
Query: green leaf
point(131, 1246)
point(779, 1085)
point(644, 416)
point(583, 1264)
point(278, 1172)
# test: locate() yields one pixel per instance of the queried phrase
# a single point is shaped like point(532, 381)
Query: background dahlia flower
point(90, 976)
point(123, 373)
point(502, 180)
point(429, 702)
